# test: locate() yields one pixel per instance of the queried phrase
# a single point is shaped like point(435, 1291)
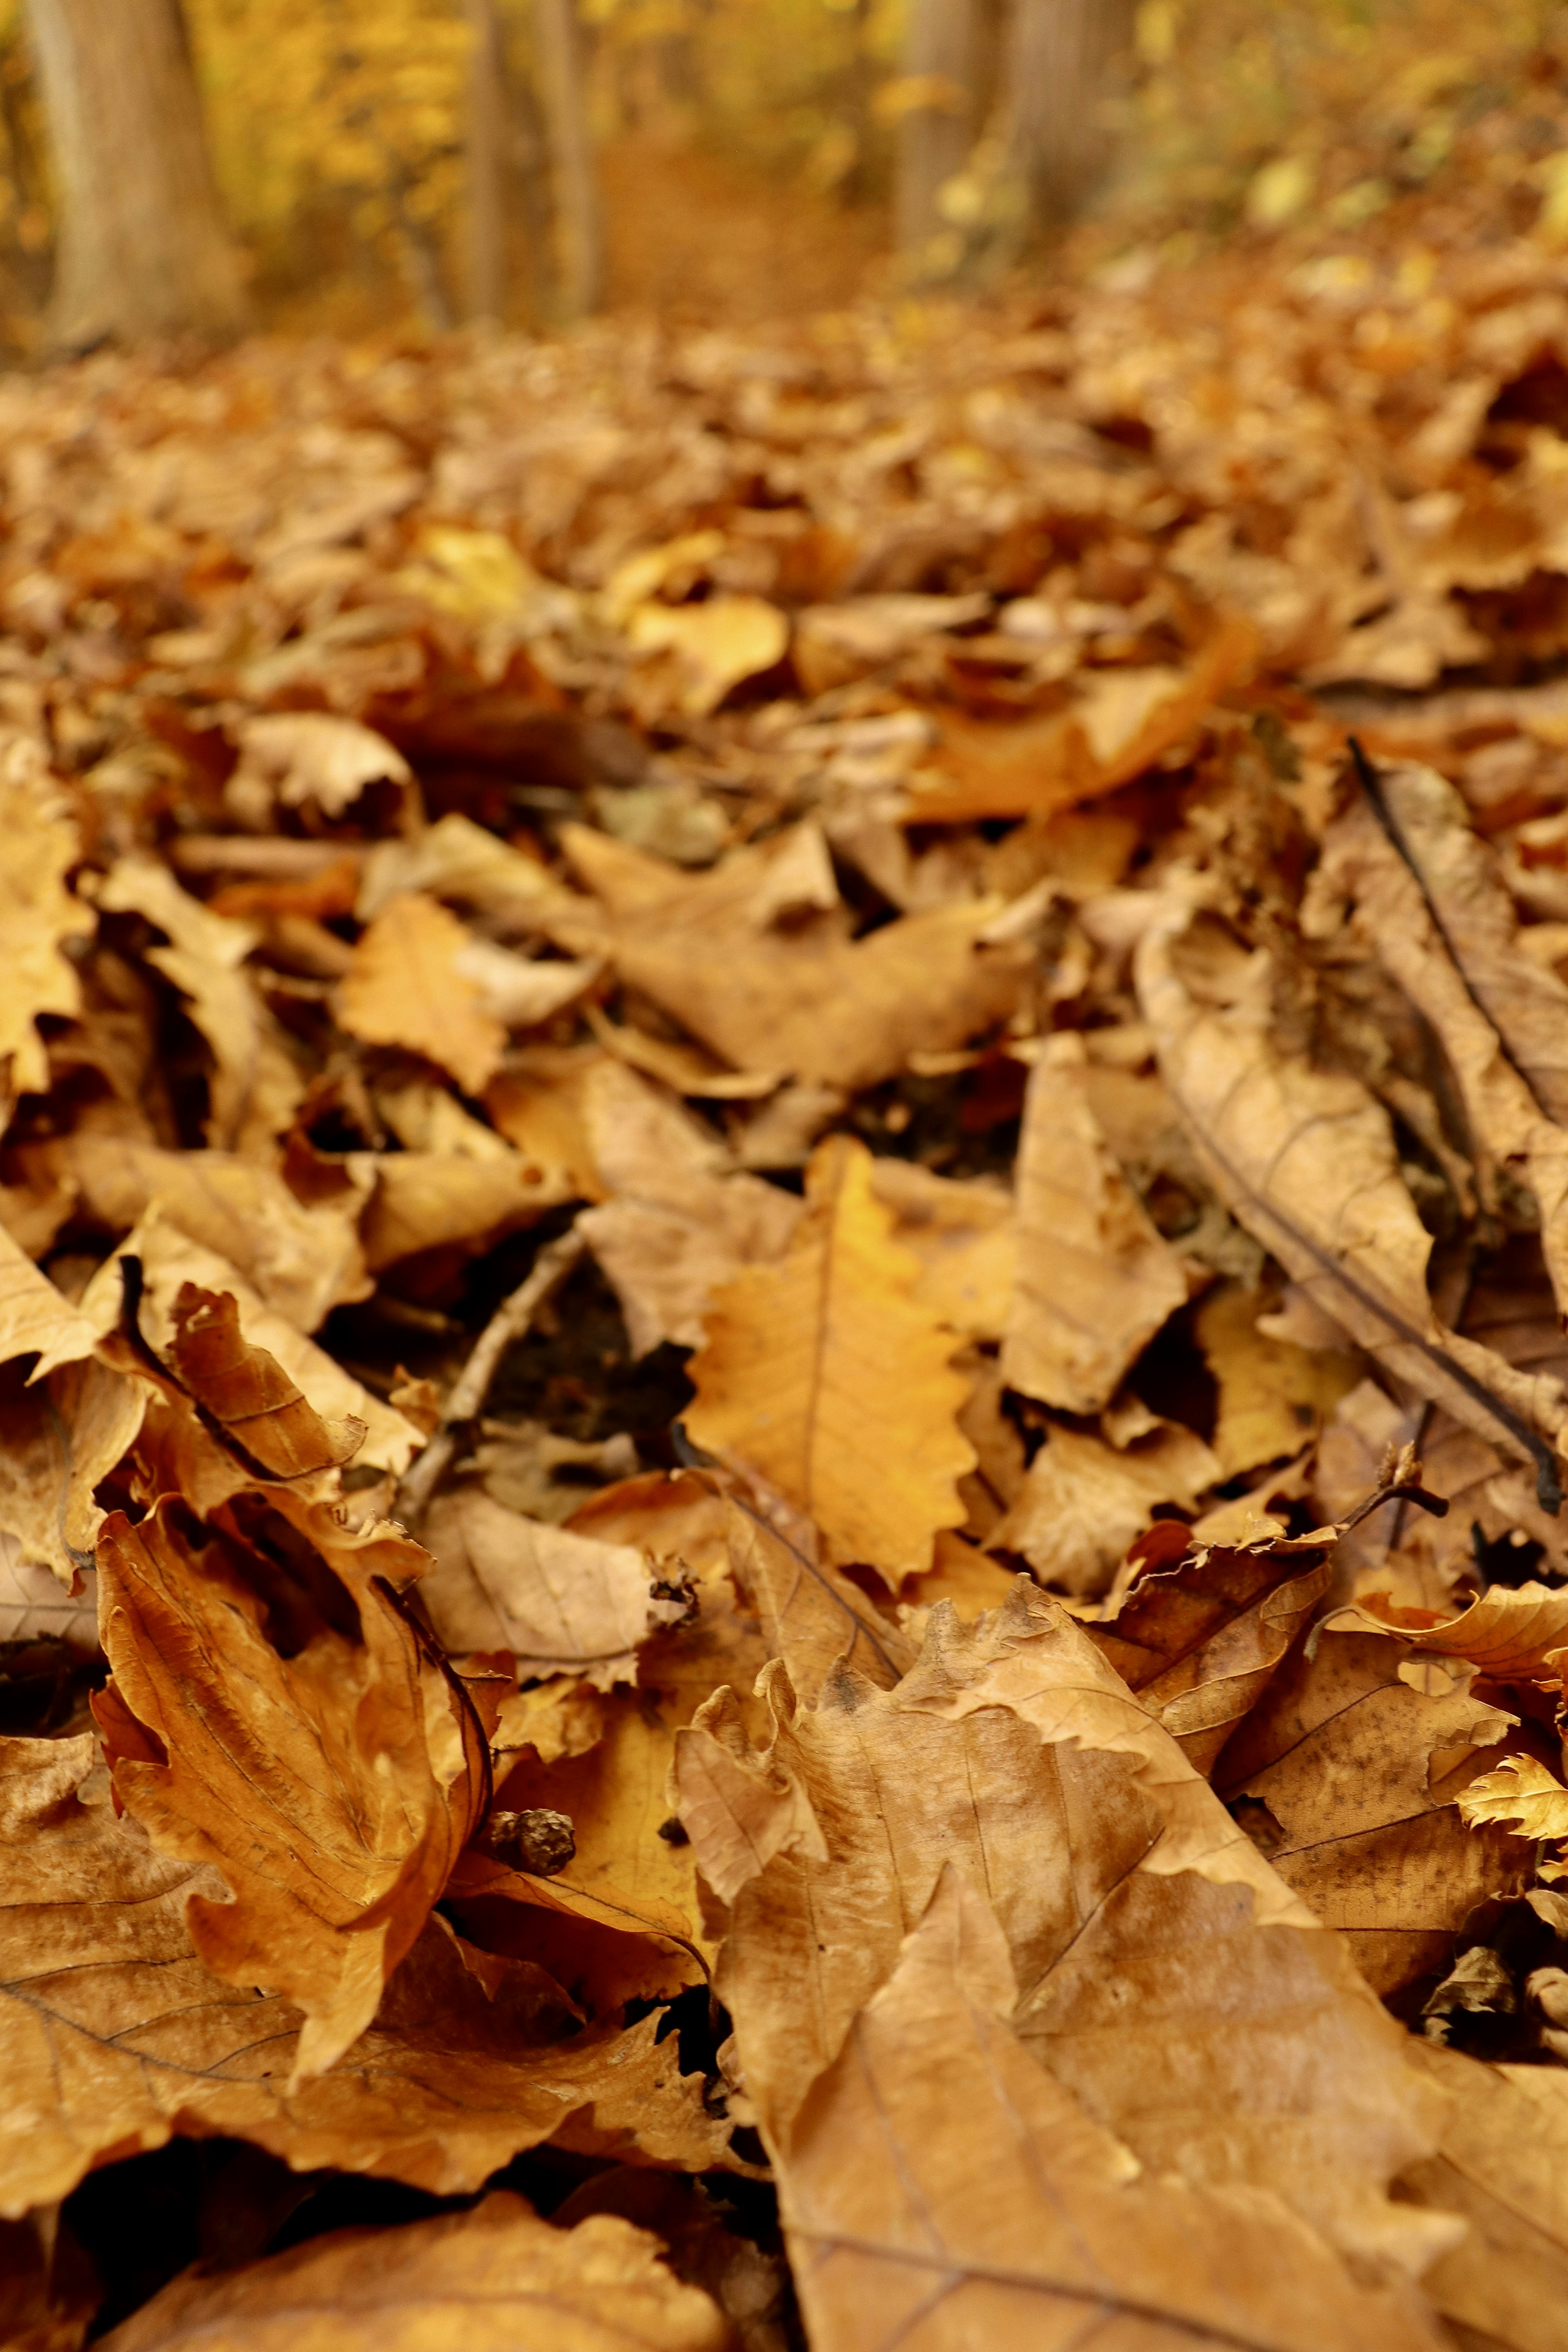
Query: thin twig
point(510, 1321)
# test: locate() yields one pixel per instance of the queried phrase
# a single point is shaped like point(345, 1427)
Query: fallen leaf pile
point(784, 1228)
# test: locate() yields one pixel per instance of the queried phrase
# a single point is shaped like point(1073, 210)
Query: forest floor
point(782, 1238)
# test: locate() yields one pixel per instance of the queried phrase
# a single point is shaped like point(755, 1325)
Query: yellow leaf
point(405, 988)
point(823, 1373)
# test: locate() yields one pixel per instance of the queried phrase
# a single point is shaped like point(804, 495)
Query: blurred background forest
point(411, 165)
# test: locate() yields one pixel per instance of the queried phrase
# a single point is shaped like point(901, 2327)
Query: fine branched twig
point(510, 1321)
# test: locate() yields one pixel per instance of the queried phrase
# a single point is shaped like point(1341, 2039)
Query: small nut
point(537, 1841)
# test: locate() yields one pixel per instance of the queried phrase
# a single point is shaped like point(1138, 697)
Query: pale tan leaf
point(821, 1365)
point(424, 1200)
point(965, 1237)
point(1306, 1160)
point(1274, 1397)
point(498, 2277)
point(1095, 1280)
point(1521, 1792)
point(939, 2189)
point(406, 988)
point(1509, 1632)
point(810, 1616)
point(563, 1603)
point(334, 1720)
point(457, 859)
point(33, 1605)
point(716, 644)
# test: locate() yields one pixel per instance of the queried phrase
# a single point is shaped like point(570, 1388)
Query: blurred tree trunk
point(141, 245)
point(562, 99)
point(936, 123)
point(487, 145)
point(1053, 80)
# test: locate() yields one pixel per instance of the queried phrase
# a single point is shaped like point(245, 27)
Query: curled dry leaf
point(1095, 1281)
point(1142, 1930)
point(822, 1364)
point(457, 859)
point(309, 758)
point(1521, 1792)
point(1351, 1782)
point(497, 2278)
point(563, 1603)
point(275, 1714)
point(249, 1392)
point(1510, 1633)
point(36, 1319)
point(1306, 1160)
point(116, 2036)
point(938, 2188)
point(405, 987)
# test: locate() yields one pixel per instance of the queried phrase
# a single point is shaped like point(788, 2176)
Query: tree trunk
point(487, 145)
point(579, 242)
point(141, 244)
point(937, 126)
point(1054, 78)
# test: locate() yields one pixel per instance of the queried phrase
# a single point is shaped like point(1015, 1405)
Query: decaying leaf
point(249, 1392)
point(235, 1653)
point(821, 1364)
point(503, 2277)
point(58, 1439)
point(34, 1318)
point(1083, 1501)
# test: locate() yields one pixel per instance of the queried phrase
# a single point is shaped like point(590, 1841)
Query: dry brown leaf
point(822, 1365)
point(1124, 723)
point(38, 915)
point(1082, 1501)
point(456, 858)
point(1274, 1397)
point(58, 1440)
point(247, 1674)
point(1521, 1792)
point(1200, 1640)
point(308, 759)
point(302, 1260)
point(168, 1261)
point(965, 1237)
point(497, 2277)
point(33, 1606)
point(256, 1087)
point(563, 1603)
point(406, 987)
point(676, 1228)
point(1502, 2164)
point(1095, 1280)
point(116, 2036)
point(249, 1392)
point(939, 2189)
point(1306, 1160)
point(810, 1615)
point(432, 1200)
point(35, 1319)
point(1350, 1780)
point(1153, 1948)
point(1516, 1633)
point(809, 1002)
point(715, 644)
